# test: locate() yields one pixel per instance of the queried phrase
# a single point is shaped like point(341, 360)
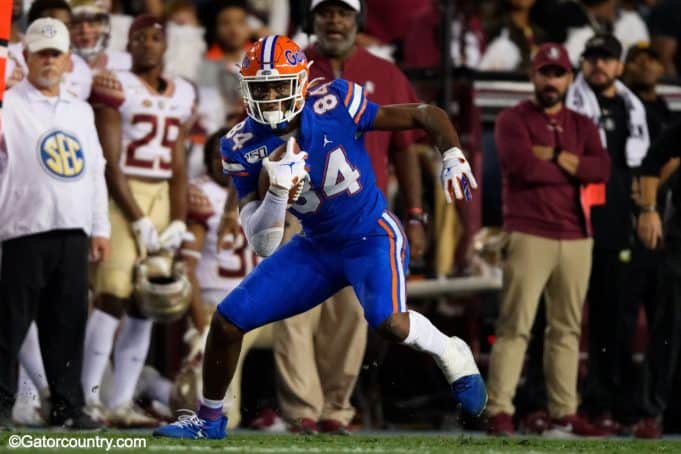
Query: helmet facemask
point(288, 103)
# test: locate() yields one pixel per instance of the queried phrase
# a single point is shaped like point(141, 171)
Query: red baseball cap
point(551, 54)
point(144, 21)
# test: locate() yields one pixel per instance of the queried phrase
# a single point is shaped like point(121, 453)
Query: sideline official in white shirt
point(53, 211)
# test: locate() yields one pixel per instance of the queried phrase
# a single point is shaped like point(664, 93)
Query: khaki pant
point(559, 269)
point(318, 356)
point(114, 276)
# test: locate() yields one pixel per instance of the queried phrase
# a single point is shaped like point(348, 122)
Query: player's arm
point(191, 254)
point(178, 180)
point(108, 123)
point(229, 221)
point(171, 237)
point(456, 172)
point(664, 149)
point(263, 218)
point(432, 119)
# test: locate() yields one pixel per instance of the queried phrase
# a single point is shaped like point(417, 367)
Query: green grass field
point(357, 443)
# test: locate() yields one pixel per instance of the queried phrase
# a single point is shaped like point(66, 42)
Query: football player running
point(350, 237)
point(142, 118)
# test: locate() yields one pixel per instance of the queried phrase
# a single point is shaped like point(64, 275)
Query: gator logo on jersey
point(61, 154)
point(256, 155)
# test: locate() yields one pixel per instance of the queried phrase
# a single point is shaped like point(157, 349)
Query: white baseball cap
point(47, 33)
point(354, 4)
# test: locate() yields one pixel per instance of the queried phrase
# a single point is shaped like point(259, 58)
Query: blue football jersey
point(341, 199)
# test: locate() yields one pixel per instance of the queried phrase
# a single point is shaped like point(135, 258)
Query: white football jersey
point(221, 271)
point(151, 121)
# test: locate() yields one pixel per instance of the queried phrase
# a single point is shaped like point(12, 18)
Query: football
point(264, 180)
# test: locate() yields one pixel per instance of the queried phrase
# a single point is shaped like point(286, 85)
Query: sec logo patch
point(61, 155)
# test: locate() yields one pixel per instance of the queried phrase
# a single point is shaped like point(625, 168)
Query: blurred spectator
point(316, 382)
point(547, 153)
point(386, 24)
point(90, 33)
point(14, 71)
point(665, 28)
point(513, 39)
point(269, 17)
point(422, 43)
point(185, 40)
point(218, 77)
point(120, 24)
point(663, 354)
point(53, 204)
point(146, 177)
point(220, 101)
point(642, 71)
point(621, 118)
point(16, 33)
point(585, 18)
point(78, 76)
point(387, 21)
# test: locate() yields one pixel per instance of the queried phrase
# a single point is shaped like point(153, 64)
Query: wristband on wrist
point(417, 215)
point(647, 208)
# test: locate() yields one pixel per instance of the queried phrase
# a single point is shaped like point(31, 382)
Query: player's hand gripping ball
point(285, 171)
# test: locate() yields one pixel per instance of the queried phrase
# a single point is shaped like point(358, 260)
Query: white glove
point(456, 175)
point(288, 172)
point(172, 236)
point(196, 342)
point(146, 235)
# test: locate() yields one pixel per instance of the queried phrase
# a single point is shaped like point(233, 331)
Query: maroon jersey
point(383, 83)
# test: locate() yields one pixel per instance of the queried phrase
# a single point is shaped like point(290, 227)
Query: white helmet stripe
point(268, 52)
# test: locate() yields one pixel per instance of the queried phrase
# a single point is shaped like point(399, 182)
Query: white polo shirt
point(51, 165)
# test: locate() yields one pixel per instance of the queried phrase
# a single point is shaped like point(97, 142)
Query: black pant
point(609, 299)
point(43, 277)
point(663, 356)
